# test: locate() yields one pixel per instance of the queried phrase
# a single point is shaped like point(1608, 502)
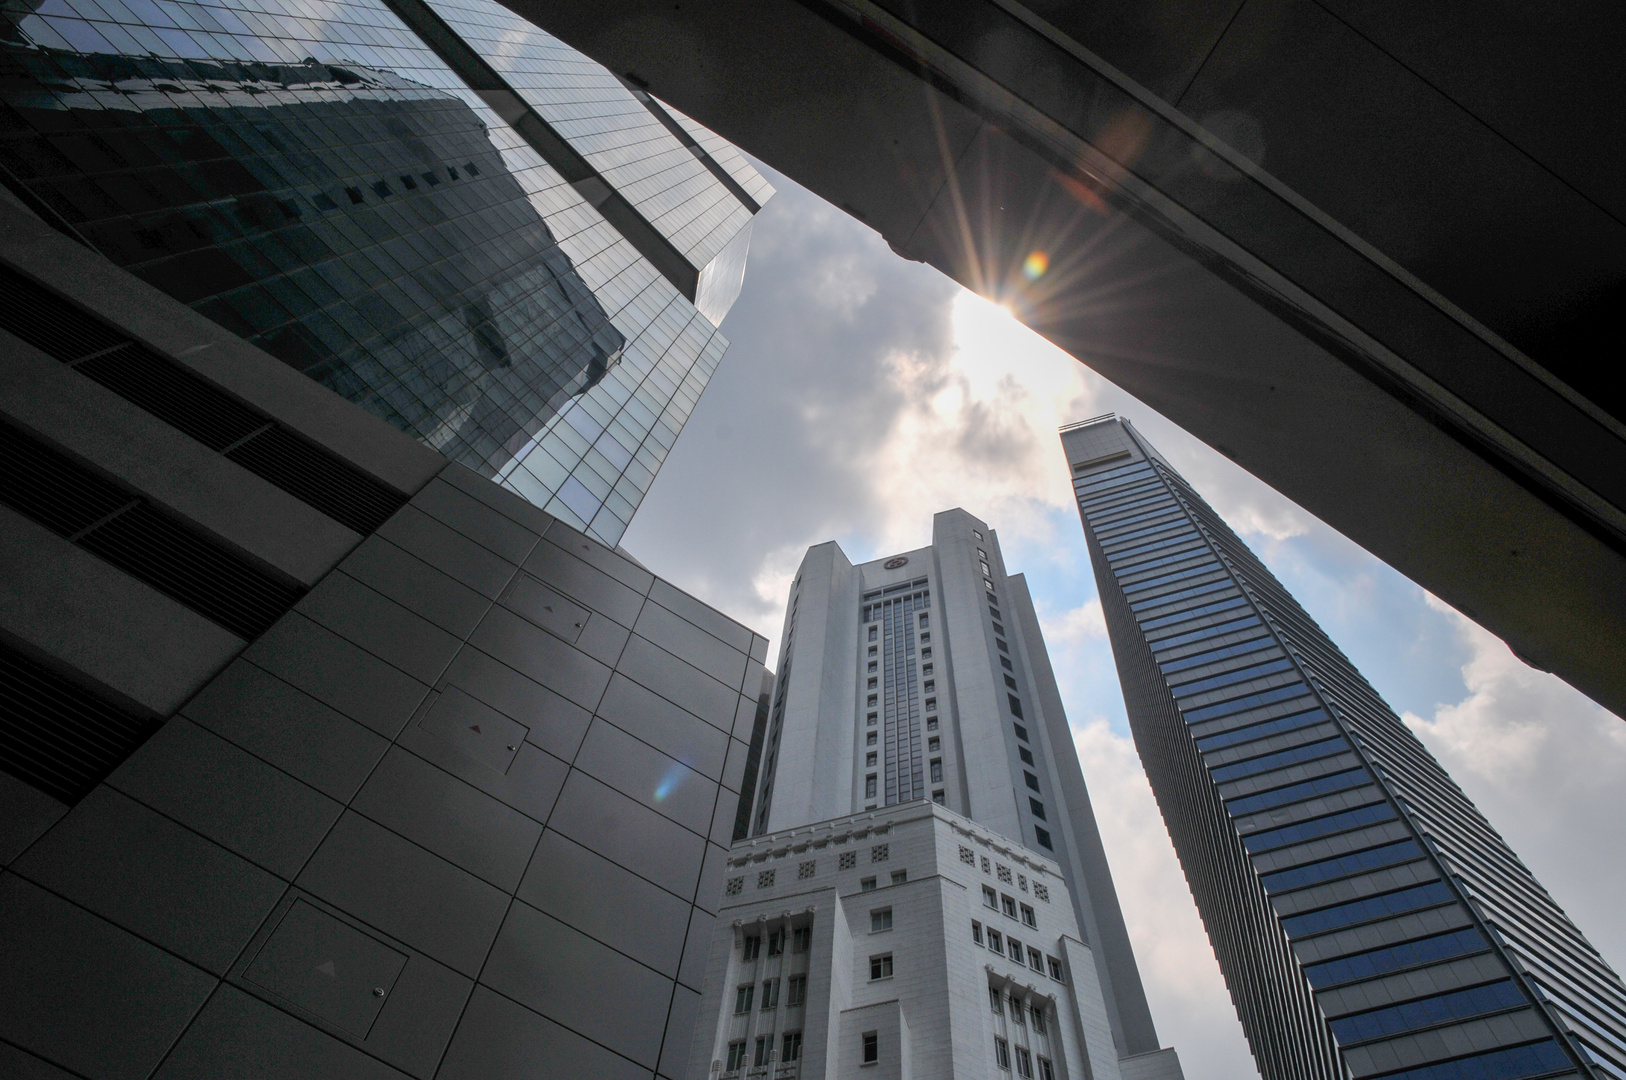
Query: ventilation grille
point(134, 536)
point(57, 736)
point(190, 403)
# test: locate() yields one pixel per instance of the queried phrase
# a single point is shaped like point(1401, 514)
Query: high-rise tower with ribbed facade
point(1369, 921)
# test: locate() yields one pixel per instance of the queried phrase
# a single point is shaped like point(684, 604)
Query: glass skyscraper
point(1368, 920)
point(437, 211)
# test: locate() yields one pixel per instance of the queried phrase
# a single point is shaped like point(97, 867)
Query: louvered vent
point(133, 535)
point(55, 735)
point(190, 403)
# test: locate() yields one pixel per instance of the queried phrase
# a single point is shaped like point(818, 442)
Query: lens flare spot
point(668, 783)
point(1034, 266)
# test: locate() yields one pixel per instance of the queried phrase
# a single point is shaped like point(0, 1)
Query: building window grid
point(902, 775)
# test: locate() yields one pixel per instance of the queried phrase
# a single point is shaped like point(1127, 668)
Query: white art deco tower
point(922, 678)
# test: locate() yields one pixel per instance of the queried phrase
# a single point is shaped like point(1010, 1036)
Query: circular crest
point(893, 564)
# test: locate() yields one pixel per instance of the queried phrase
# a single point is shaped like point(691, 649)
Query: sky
point(862, 393)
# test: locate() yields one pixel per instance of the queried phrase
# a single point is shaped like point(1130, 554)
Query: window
point(873, 698)
point(1008, 904)
point(1002, 1053)
point(776, 942)
point(873, 683)
point(934, 744)
point(869, 786)
point(1036, 1015)
point(1055, 968)
point(872, 633)
point(753, 947)
point(1005, 662)
point(871, 721)
point(1028, 916)
point(1043, 836)
point(899, 877)
point(872, 1047)
point(847, 860)
point(866, 884)
point(926, 653)
point(1014, 949)
point(989, 897)
point(977, 534)
point(924, 621)
point(1017, 1012)
point(764, 1047)
point(937, 797)
point(998, 629)
point(793, 1047)
point(1000, 642)
point(931, 703)
point(796, 991)
point(743, 996)
point(996, 943)
point(1021, 732)
point(1031, 780)
point(981, 554)
point(801, 939)
point(880, 967)
point(976, 931)
point(869, 761)
point(872, 665)
point(996, 1001)
point(1025, 754)
point(770, 994)
point(880, 919)
point(1045, 1071)
point(1024, 1062)
point(1035, 959)
point(992, 610)
point(937, 770)
point(736, 1055)
point(931, 723)
point(1037, 807)
point(872, 650)
point(869, 740)
point(1010, 682)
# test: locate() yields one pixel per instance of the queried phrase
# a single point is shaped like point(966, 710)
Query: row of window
point(1003, 872)
point(1020, 1014)
point(800, 937)
point(1009, 905)
point(1009, 946)
point(745, 994)
point(739, 1056)
point(1025, 1062)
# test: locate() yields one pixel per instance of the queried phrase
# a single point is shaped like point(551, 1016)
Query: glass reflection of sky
point(639, 406)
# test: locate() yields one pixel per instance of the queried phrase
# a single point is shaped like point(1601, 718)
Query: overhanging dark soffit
point(1373, 273)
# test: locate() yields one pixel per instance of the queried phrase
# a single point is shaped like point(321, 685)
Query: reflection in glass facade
point(1368, 920)
point(313, 177)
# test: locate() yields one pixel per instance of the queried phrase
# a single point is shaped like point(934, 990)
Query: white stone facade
point(876, 925)
point(923, 675)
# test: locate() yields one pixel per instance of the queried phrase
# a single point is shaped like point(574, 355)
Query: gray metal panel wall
point(452, 816)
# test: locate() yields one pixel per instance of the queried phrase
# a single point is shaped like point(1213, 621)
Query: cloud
point(862, 393)
point(1544, 764)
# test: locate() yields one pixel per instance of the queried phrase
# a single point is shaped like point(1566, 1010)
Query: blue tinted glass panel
point(1458, 1005)
point(1535, 1059)
point(1200, 590)
point(1396, 957)
point(1343, 866)
point(1321, 785)
point(1260, 731)
point(1373, 907)
point(1243, 704)
point(1258, 644)
point(1166, 579)
point(1271, 839)
point(1308, 752)
point(1270, 667)
point(1230, 627)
